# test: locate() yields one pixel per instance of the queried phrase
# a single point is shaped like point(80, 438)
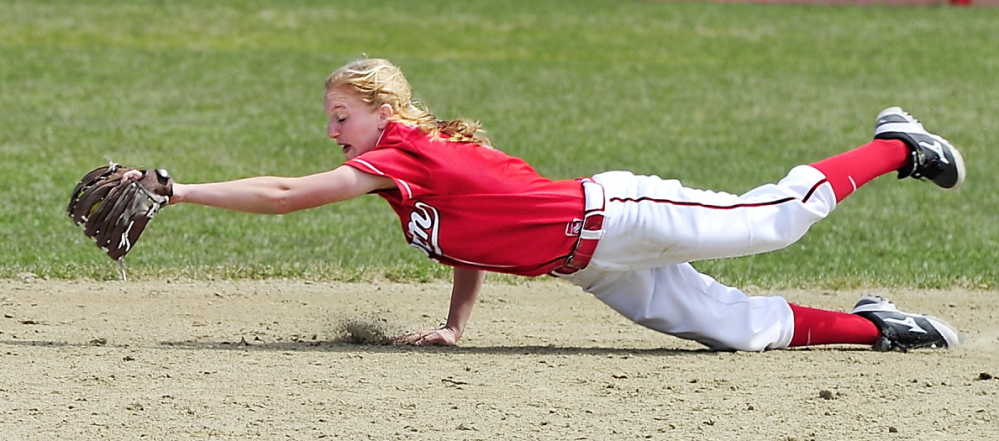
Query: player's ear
point(385, 112)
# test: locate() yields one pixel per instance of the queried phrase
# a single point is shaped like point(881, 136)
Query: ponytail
point(377, 81)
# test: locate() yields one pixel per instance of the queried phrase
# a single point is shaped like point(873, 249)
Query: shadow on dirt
point(345, 346)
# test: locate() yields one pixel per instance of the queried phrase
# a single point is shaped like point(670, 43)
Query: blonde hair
point(377, 81)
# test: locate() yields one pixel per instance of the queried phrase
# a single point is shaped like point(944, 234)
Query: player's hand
point(431, 337)
point(132, 175)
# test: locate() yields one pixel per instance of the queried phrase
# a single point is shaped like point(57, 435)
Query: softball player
point(626, 239)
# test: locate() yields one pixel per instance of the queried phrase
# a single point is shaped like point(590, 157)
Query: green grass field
point(720, 96)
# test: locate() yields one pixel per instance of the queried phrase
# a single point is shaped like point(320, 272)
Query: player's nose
point(332, 131)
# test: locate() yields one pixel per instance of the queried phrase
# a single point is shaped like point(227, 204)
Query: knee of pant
point(748, 345)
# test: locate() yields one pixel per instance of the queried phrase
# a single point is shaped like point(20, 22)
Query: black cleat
point(933, 157)
point(903, 331)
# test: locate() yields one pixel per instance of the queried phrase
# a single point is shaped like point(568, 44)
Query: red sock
point(820, 327)
point(848, 171)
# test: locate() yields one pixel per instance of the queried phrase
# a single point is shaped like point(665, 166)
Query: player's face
point(354, 124)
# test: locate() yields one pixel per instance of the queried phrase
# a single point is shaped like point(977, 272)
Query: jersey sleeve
point(393, 164)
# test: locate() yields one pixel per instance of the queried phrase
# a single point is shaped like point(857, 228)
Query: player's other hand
point(431, 337)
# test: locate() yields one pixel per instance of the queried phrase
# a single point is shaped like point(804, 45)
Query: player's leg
point(821, 327)
point(848, 171)
point(652, 222)
point(679, 301)
point(874, 321)
point(901, 144)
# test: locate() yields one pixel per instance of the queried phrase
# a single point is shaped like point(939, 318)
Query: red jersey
point(471, 206)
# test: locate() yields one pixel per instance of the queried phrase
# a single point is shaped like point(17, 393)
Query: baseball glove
point(114, 211)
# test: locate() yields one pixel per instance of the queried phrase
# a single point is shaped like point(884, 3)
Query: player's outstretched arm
point(279, 195)
point(467, 284)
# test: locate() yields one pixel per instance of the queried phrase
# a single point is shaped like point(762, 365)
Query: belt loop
point(594, 194)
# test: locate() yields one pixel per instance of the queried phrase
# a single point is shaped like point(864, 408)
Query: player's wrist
point(456, 330)
point(180, 192)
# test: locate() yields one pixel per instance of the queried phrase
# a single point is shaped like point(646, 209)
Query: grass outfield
point(721, 96)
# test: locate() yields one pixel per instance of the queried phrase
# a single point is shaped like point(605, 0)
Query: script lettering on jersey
point(423, 228)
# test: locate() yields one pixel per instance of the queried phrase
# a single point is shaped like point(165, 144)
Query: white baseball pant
point(654, 227)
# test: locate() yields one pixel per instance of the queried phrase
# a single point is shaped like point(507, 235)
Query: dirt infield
point(273, 360)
